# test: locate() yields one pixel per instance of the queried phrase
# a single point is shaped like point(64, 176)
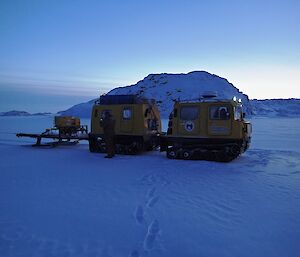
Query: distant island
point(23, 113)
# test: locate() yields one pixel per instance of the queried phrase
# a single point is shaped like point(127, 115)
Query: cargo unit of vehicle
point(67, 130)
point(137, 123)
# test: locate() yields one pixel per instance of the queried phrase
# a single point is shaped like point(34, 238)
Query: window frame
point(212, 114)
point(240, 113)
point(127, 109)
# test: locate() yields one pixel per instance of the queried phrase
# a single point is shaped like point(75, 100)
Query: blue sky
point(56, 53)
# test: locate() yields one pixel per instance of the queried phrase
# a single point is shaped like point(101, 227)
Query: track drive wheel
point(171, 153)
point(187, 154)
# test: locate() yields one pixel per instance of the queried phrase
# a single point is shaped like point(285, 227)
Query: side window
point(127, 113)
point(189, 113)
point(152, 124)
point(219, 113)
point(238, 113)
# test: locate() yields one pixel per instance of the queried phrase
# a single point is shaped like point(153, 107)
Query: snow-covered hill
point(276, 107)
point(80, 110)
point(165, 88)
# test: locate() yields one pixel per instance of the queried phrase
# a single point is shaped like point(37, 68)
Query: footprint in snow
point(139, 214)
point(152, 201)
point(152, 233)
point(134, 253)
point(151, 192)
point(148, 179)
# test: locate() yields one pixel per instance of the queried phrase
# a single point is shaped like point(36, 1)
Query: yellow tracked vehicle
point(208, 129)
point(137, 123)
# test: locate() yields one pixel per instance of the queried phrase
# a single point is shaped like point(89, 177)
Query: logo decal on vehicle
point(189, 126)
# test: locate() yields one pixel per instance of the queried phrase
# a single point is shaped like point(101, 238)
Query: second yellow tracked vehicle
point(137, 123)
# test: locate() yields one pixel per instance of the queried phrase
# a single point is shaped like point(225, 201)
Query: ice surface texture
point(69, 202)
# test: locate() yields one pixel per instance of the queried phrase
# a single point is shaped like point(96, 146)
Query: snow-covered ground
point(67, 201)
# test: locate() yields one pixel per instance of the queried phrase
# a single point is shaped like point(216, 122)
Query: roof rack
point(203, 100)
point(123, 99)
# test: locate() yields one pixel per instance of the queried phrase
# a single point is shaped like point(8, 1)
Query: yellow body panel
point(203, 125)
point(66, 121)
point(136, 124)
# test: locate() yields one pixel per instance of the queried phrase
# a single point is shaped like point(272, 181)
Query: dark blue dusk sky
point(57, 53)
